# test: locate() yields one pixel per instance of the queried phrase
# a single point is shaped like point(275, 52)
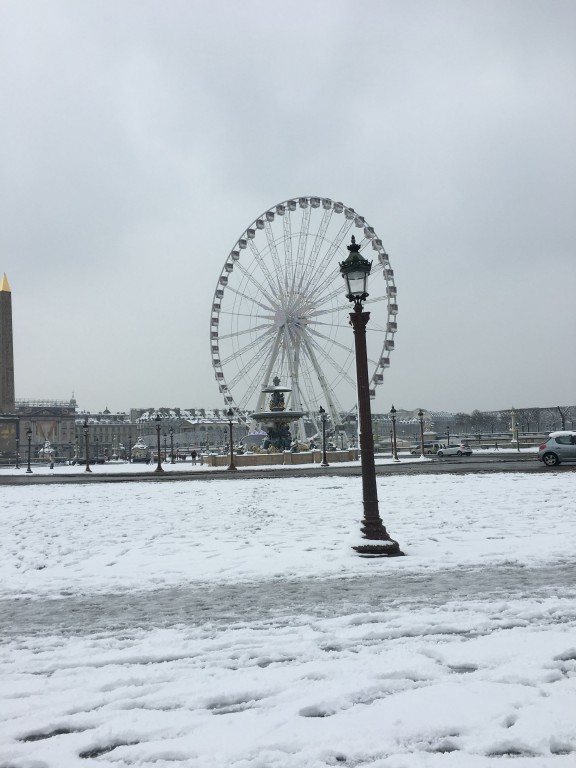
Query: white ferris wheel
point(279, 309)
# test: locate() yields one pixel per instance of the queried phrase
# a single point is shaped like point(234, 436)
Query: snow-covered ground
point(230, 624)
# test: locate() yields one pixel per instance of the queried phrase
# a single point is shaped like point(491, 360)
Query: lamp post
point(69, 453)
point(29, 436)
point(322, 413)
point(159, 467)
point(355, 270)
point(447, 436)
point(129, 447)
point(85, 427)
point(394, 441)
point(421, 420)
point(230, 415)
point(18, 445)
point(97, 450)
point(164, 436)
point(172, 445)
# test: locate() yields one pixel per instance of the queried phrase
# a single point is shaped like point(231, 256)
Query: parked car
point(560, 446)
point(455, 449)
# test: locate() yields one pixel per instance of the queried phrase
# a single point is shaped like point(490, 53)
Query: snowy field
point(230, 624)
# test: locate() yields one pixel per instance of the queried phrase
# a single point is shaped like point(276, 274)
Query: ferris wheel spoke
point(327, 261)
point(275, 258)
point(246, 297)
point(268, 369)
point(287, 226)
point(237, 353)
point(318, 242)
point(331, 401)
point(302, 240)
point(253, 329)
point(249, 276)
point(272, 284)
point(340, 371)
point(249, 365)
point(319, 335)
point(253, 382)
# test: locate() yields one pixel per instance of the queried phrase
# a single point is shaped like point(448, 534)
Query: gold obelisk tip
point(5, 285)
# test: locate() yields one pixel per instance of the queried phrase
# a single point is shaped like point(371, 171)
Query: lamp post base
point(377, 541)
point(373, 549)
point(231, 467)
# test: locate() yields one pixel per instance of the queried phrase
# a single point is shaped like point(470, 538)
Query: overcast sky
point(139, 139)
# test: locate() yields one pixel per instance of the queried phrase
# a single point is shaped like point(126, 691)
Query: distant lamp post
point(87, 447)
point(159, 467)
point(447, 436)
point(164, 436)
point(172, 445)
point(230, 415)
point(355, 270)
point(323, 418)
point(394, 435)
point(129, 447)
point(18, 445)
point(29, 436)
point(97, 450)
point(421, 420)
point(69, 454)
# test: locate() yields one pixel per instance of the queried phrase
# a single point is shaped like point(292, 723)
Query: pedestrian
point(194, 454)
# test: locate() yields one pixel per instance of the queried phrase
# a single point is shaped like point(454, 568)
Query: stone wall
point(265, 459)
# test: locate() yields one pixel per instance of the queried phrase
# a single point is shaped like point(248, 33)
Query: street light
point(29, 436)
point(172, 445)
point(421, 420)
point(394, 442)
point(447, 435)
point(159, 467)
point(129, 447)
point(18, 445)
point(164, 436)
point(230, 415)
point(97, 450)
point(85, 427)
point(355, 270)
point(323, 417)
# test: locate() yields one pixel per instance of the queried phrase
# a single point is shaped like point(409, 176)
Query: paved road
point(475, 463)
point(277, 600)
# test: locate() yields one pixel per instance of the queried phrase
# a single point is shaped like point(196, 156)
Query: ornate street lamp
point(323, 419)
point(355, 270)
point(230, 415)
point(18, 445)
point(85, 427)
point(394, 442)
point(172, 445)
point(69, 453)
point(421, 420)
point(29, 436)
point(159, 467)
point(97, 450)
point(164, 436)
point(129, 447)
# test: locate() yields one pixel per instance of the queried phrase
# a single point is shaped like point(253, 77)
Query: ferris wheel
point(279, 309)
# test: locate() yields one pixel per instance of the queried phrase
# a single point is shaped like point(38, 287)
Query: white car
point(455, 450)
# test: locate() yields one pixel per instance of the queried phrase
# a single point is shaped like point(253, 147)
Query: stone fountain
point(276, 421)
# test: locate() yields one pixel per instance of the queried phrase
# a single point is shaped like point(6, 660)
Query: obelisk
point(7, 401)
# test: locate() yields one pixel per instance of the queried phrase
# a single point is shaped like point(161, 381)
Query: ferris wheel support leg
point(380, 544)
